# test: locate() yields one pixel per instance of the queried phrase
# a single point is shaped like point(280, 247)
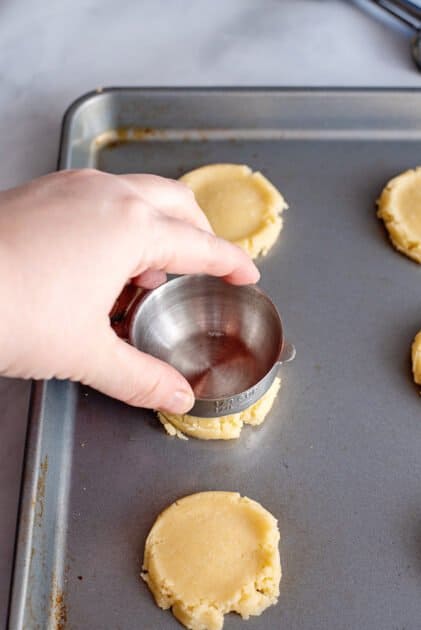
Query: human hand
point(69, 242)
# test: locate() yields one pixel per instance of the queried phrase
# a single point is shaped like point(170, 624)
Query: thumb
point(123, 372)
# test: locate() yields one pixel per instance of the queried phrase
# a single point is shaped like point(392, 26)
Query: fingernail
point(182, 401)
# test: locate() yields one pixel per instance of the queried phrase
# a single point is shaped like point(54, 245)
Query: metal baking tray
point(339, 459)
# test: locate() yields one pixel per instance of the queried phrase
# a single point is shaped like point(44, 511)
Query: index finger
point(185, 248)
point(169, 196)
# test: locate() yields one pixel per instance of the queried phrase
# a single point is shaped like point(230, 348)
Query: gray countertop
point(52, 52)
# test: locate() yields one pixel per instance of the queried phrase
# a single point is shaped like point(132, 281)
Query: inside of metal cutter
point(223, 339)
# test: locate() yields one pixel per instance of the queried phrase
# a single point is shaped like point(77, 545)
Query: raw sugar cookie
point(212, 553)
point(399, 206)
point(242, 206)
point(416, 358)
point(224, 428)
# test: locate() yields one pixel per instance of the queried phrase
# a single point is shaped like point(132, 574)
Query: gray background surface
point(52, 52)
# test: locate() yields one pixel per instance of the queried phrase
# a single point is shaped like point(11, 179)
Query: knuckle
point(89, 172)
point(177, 187)
point(185, 190)
point(80, 173)
point(211, 243)
point(215, 252)
point(81, 179)
point(130, 209)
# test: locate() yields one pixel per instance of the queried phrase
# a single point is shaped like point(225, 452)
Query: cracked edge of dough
point(261, 240)
point(251, 599)
point(388, 212)
point(223, 428)
point(416, 358)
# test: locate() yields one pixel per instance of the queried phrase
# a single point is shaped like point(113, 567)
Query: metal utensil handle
point(408, 7)
point(288, 353)
point(404, 10)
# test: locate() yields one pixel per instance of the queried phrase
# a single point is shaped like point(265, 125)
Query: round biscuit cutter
point(226, 340)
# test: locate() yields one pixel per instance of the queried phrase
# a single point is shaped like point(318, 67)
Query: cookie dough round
point(242, 206)
point(212, 553)
point(400, 208)
point(225, 427)
point(416, 358)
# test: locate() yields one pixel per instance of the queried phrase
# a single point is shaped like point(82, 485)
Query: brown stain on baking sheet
point(113, 138)
point(116, 137)
point(38, 502)
point(59, 610)
point(57, 603)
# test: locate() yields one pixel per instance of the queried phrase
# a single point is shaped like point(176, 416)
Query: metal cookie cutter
point(226, 340)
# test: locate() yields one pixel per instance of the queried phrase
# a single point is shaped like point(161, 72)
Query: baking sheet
point(338, 461)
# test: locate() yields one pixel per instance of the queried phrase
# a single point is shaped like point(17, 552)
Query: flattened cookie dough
point(224, 428)
point(242, 206)
point(400, 208)
point(212, 553)
point(416, 358)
